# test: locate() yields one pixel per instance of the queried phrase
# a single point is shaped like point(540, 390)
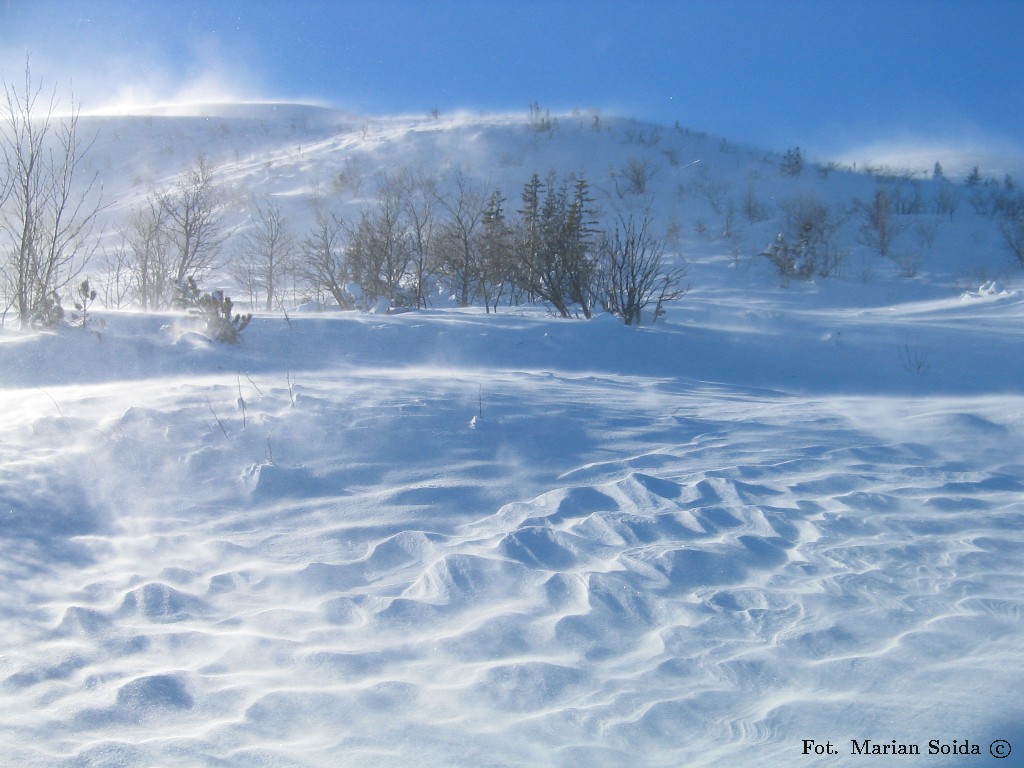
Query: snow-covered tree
point(806, 245)
point(215, 309)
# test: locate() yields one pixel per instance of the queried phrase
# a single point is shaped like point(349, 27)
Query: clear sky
point(828, 75)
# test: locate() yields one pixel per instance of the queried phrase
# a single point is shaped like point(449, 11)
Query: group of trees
point(809, 241)
point(808, 244)
point(176, 234)
point(424, 235)
point(421, 235)
point(50, 209)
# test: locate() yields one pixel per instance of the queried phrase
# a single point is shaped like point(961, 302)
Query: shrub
point(47, 312)
point(215, 309)
point(806, 246)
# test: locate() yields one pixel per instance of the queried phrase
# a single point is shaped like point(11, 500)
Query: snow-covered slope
point(449, 538)
point(716, 200)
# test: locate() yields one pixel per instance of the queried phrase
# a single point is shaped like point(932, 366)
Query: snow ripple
point(660, 608)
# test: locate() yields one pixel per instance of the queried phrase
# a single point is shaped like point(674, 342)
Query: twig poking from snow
point(52, 401)
point(291, 387)
point(287, 319)
point(255, 385)
point(241, 403)
point(217, 419)
point(270, 451)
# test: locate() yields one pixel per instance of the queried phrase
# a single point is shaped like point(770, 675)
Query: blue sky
point(831, 76)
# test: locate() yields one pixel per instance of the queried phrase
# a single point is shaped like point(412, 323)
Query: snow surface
point(449, 538)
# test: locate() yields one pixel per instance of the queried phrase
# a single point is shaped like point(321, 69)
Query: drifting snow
point(298, 550)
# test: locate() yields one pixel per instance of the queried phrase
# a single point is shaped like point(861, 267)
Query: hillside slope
point(714, 201)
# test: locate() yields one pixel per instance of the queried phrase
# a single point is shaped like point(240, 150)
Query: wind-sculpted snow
point(265, 564)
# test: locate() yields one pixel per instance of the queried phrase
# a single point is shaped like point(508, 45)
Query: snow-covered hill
point(445, 537)
point(716, 201)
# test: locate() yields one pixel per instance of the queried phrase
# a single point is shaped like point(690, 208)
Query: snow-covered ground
point(448, 538)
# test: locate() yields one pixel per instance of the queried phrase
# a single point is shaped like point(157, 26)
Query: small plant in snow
point(479, 417)
point(216, 309)
point(86, 295)
point(913, 359)
point(909, 262)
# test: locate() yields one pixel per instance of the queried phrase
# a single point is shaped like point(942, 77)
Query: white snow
point(447, 538)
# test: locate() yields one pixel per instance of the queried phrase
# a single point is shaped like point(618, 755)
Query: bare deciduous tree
point(48, 212)
point(880, 227)
point(115, 287)
point(149, 249)
point(634, 178)
point(419, 198)
point(193, 212)
point(946, 200)
point(378, 252)
point(322, 264)
point(634, 272)
point(266, 253)
point(1012, 229)
point(461, 236)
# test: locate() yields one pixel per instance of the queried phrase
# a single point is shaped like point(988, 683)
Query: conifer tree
point(555, 244)
point(496, 250)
